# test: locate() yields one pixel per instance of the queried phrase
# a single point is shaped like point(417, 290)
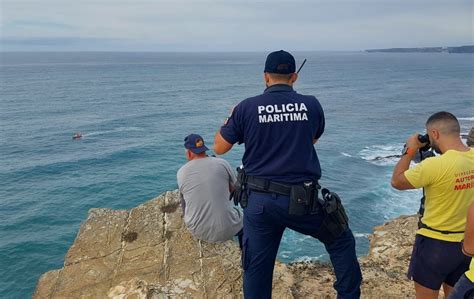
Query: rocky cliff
point(470, 138)
point(147, 253)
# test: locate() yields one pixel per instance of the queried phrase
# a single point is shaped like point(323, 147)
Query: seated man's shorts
point(434, 262)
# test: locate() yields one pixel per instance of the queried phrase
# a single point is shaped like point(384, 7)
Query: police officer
point(279, 128)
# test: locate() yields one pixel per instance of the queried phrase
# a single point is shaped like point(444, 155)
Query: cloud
point(243, 25)
point(28, 25)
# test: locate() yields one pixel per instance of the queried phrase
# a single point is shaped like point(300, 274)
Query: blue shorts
point(434, 262)
point(464, 289)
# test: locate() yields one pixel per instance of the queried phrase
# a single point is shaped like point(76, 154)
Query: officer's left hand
point(412, 142)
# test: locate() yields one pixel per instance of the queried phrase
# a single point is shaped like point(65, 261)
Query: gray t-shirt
point(204, 185)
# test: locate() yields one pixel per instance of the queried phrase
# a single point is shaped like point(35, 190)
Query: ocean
point(134, 110)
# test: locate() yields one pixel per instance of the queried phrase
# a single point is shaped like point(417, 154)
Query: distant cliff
point(462, 49)
point(148, 253)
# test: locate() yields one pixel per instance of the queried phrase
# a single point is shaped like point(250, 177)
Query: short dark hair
point(450, 124)
point(280, 77)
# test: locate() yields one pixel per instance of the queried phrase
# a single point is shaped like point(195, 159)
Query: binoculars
point(424, 139)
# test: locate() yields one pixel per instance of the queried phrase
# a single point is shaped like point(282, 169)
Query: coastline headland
point(461, 49)
point(147, 252)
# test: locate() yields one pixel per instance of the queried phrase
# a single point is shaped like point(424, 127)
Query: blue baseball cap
point(280, 62)
point(195, 143)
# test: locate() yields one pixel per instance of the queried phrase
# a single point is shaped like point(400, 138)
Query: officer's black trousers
point(265, 219)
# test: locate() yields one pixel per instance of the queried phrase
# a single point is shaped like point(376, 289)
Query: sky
point(227, 25)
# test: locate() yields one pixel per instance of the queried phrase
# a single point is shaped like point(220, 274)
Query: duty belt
point(267, 186)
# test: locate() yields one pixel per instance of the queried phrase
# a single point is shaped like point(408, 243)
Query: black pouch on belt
point(301, 198)
point(240, 194)
point(335, 218)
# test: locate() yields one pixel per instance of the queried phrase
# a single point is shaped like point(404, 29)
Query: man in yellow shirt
point(448, 182)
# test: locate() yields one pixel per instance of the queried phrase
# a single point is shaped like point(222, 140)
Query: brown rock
point(470, 138)
point(147, 252)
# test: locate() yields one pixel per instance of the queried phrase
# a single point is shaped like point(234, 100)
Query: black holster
point(335, 218)
point(304, 199)
point(240, 194)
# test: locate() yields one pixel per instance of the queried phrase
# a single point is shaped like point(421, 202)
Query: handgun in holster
point(335, 218)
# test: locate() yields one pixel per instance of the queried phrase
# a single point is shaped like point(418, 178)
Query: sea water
point(134, 110)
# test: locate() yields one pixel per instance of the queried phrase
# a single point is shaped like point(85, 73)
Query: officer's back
point(277, 187)
point(278, 129)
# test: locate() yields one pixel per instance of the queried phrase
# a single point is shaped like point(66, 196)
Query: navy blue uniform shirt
point(278, 128)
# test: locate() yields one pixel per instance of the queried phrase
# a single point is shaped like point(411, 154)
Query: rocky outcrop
point(148, 253)
point(470, 138)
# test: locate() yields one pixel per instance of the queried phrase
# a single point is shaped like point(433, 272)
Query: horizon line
point(211, 51)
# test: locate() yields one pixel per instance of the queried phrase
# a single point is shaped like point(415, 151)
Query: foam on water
point(382, 155)
point(309, 258)
point(361, 235)
point(116, 130)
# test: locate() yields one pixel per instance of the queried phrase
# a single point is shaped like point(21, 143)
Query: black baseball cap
point(195, 143)
point(280, 62)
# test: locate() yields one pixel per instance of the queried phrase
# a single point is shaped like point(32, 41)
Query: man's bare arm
point(221, 146)
point(399, 180)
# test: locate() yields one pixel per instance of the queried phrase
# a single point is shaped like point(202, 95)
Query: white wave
point(116, 130)
point(382, 155)
point(394, 203)
point(361, 235)
point(346, 155)
point(466, 118)
point(306, 258)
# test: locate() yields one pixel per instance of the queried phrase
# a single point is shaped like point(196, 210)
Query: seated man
point(205, 184)
point(437, 257)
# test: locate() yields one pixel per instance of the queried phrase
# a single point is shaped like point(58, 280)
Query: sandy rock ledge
point(147, 253)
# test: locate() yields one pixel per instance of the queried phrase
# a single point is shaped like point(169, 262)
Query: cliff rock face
point(148, 253)
point(470, 138)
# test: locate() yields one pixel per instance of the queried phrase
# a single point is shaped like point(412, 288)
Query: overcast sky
point(135, 25)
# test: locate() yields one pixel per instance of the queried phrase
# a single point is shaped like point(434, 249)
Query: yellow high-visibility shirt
point(448, 180)
point(470, 272)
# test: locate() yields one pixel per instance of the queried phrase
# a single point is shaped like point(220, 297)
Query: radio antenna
point(304, 61)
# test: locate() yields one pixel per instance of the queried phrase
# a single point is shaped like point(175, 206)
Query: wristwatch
point(409, 151)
